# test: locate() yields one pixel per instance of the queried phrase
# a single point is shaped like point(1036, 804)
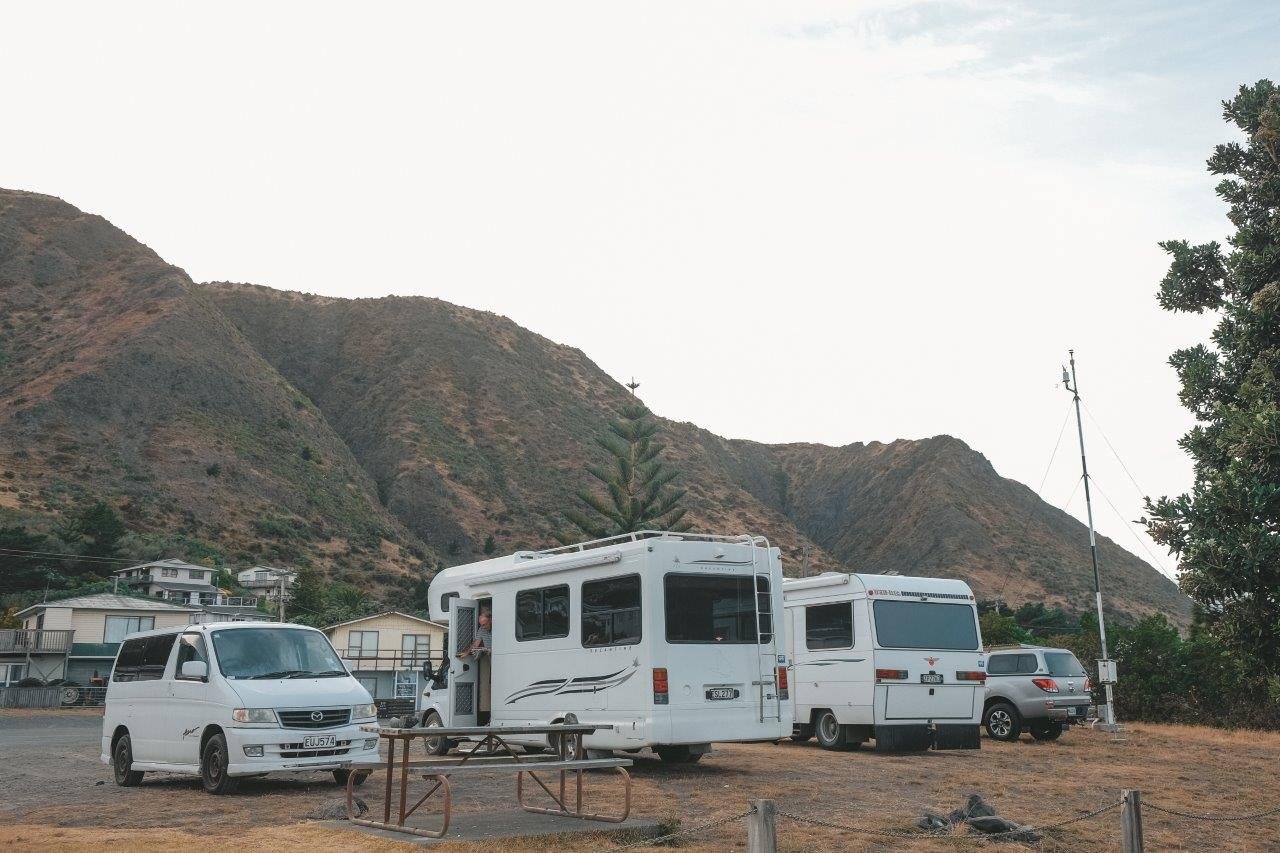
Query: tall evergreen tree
point(1226, 530)
point(637, 483)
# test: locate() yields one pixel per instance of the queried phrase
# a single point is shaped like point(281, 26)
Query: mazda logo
point(317, 716)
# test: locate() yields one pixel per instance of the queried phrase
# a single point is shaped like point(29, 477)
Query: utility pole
point(1106, 667)
point(281, 576)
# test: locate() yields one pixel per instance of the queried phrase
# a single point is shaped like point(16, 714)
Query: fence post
point(762, 831)
point(1131, 822)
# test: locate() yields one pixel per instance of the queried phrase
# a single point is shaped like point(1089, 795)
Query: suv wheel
point(122, 762)
point(213, 766)
point(1048, 730)
point(1003, 722)
point(829, 731)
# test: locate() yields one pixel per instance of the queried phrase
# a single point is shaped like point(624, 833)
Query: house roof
point(164, 564)
point(108, 601)
point(386, 613)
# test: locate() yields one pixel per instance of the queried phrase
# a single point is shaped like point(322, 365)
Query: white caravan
point(666, 640)
point(898, 659)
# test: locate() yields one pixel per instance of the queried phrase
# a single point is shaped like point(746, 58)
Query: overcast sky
point(791, 221)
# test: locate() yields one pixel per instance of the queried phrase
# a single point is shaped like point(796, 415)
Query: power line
point(1054, 454)
point(19, 551)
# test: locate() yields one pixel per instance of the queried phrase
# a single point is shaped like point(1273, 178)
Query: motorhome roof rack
point(739, 539)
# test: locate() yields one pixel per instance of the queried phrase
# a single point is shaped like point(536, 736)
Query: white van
point(894, 658)
point(666, 640)
point(233, 699)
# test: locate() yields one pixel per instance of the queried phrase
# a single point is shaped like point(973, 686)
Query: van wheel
point(122, 762)
point(677, 755)
point(342, 774)
point(802, 734)
point(1046, 731)
point(829, 731)
point(1003, 722)
point(213, 767)
point(435, 745)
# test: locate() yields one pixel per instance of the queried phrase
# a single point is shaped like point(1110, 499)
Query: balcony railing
point(363, 660)
point(38, 641)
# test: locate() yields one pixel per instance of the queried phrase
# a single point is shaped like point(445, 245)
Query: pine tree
point(637, 484)
point(1226, 530)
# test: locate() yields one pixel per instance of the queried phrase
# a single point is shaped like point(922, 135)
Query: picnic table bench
point(470, 762)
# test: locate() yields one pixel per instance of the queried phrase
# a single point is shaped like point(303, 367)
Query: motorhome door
point(463, 672)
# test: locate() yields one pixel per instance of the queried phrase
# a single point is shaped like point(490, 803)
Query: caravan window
point(829, 626)
point(925, 625)
point(611, 612)
point(543, 613)
point(713, 608)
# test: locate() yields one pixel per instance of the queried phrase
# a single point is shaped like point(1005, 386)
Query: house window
point(829, 626)
point(406, 684)
point(362, 644)
point(611, 612)
point(168, 573)
point(543, 613)
point(415, 648)
point(119, 627)
point(12, 673)
point(195, 575)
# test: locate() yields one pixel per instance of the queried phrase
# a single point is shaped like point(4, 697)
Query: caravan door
point(463, 672)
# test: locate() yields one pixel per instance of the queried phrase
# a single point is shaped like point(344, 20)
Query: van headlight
point(254, 715)
point(365, 712)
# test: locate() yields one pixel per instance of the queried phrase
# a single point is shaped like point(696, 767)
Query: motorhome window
point(925, 625)
point(129, 660)
point(119, 627)
point(275, 653)
point(190, 647)
point(543, 613)
point(444, 601)
point(829, 626)
point(711, 609)
point(611, 612)
point(1064, 665)
point(155, 656)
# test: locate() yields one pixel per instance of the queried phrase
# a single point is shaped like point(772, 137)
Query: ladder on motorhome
point(765, 625)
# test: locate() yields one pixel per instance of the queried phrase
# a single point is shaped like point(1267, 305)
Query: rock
point(337, 810)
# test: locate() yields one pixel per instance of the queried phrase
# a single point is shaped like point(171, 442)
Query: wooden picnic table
point(492, 739)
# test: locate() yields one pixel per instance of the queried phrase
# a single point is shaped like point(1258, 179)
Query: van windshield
point(275, 653)
point(925, 625)
point(1064, 665)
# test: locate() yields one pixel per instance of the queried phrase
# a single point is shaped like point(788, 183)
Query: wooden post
point(762, 831)
point(1131, 822)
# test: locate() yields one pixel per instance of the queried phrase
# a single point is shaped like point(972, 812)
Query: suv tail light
point(783, 691)
point(660, 692)
point(1088, 685)
point(891, 675)
point(1048, 685)
point(971, 676)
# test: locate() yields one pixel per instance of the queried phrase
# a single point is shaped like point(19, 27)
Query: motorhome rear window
point(829, 626)
point(543, 613)
point(611, 612)
point(1064, 665)
point(925, 625)
point(712, 608)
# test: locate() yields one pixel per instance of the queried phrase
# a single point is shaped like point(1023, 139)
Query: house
point(171, 580)
point(265, 581)
point(386, 652)
point(77, 637)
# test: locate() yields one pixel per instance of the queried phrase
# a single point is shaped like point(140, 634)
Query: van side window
point(829, 626)
point(129, 661)
point(155, 656)
point(611, 612)
point(444, 600)
point(190, 647)
point(543, 613)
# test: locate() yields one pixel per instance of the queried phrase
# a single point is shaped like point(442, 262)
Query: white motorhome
point(665, 639)
point(897, 659)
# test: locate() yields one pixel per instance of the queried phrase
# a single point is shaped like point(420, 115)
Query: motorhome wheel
point(830, 733)
point(435, 745)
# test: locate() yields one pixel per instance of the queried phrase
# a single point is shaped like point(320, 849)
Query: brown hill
point(366, 434)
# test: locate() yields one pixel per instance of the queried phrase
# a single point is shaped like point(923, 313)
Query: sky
point(790, 221)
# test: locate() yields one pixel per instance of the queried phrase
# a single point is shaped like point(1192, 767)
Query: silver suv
point(1036, 689)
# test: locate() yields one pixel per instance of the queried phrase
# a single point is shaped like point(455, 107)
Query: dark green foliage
point(1001, 630)
point(318, 602)
point(1224, 531)
point(490, 544)
point(96, 528)
point(637, 484)
point(213, 470)
point(24, 571)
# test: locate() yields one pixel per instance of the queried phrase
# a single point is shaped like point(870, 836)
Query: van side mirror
point(195, 670)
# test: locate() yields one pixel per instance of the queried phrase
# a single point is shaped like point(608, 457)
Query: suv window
point(1019, 664)
point(1064, 665)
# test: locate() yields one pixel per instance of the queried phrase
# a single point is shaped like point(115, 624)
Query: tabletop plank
point(480, 731)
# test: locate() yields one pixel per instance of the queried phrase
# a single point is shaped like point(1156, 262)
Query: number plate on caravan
point(930, 678)
point(319, 741)
point(722, 693)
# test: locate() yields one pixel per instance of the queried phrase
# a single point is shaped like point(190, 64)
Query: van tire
point(677, 755)
point(342, 774)
point(1002, 722)
point(829, 731)
point(213, 766)
point(122, 762)
point(435, 745)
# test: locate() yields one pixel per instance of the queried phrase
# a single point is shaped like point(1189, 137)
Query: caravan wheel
point(830, 733)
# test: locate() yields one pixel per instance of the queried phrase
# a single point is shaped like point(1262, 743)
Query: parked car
point(234, 699)
point(1030, 688)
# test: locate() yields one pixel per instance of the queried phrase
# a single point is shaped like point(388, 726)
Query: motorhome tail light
point(1048, 685)
point(971, 676)
point(660, 692)
point(891, 675)
point(784, 691)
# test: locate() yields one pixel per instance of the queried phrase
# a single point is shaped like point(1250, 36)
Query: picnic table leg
point(404, 775)
point(391, 763)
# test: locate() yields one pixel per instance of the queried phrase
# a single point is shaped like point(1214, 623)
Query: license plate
point(930, 678)
point(319, 741)
point(1077, 711)
point(719, 693)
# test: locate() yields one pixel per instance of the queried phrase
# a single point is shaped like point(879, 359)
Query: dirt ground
point(56, 794)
